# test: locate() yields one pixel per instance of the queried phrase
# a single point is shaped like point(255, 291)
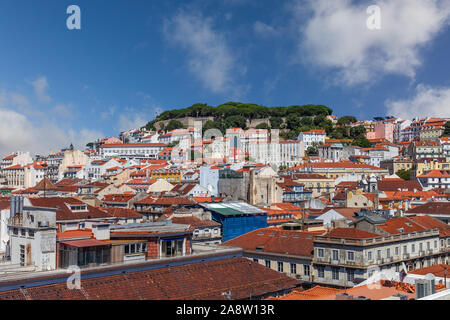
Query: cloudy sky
point(132, 59)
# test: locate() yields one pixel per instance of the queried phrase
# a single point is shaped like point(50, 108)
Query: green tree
point(173, 143)
point(362, 142)
point(174, 124)
point(313, 149)
point(346, 120)
point(447, 129)
point(404, 174)
point(292, 121)
point(263, 125)
point(357, 132)
point(276, 122)
point(236, 122)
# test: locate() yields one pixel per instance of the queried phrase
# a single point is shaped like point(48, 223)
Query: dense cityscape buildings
point(335, 219)
point(225, 150)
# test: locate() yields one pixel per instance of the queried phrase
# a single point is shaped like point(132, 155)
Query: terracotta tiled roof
point(348, 213)
point(183, 188)
point(63, 211)
point(198, 281)
point(275, 240)
point(394, 185)
point(437, 270)
point(401, 225)
point(46, 184)
point(121, 212)
point(165, 201)
point(432, 223)
point(195, 222)
point(350, 233)
point(122, 198)
point(431, 208)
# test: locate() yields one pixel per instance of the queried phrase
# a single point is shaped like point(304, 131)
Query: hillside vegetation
point(290, 120)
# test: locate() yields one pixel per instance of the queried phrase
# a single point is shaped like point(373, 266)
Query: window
point(396, 251)
point(321, 271)
point(335, 255)
point(435, 244)
point(306, 270)
point(171, 248)
point(255, 260)
point(369, 255)
point(280, 266)
point(22, 255)
point(268, 263)
point(335, 273)
point(293, 268)
point(15, 231)
point(420, 247)
point(350, 255)
point(405, 249)
point(413, 248)
point(379, 254)
point(31, 233)
point(388, 253)
point(320, 253)
point(22, 232)
point(428, 245)
point(350, 275)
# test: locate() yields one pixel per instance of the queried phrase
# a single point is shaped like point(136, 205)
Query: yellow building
point(317, 183)
point(168, 174)
point(428, 164)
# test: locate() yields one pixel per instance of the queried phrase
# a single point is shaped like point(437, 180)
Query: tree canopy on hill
point(447, 129)
point(246, 110)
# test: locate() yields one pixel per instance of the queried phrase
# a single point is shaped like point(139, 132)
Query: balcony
point(15, 222)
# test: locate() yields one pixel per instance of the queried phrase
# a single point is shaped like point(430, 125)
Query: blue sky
point(132, 59)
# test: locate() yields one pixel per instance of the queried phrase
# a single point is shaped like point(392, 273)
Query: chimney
point(101, 231)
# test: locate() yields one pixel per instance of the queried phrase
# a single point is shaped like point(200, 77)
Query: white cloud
point(66, 111)
point(82, 137)
point(428, 101)
point(209, 57)
point(131, 121)
point(264, 29)
point(40, 86)
point(37, 129)
point(19, 133)
point(336, 37)
point(108, 113)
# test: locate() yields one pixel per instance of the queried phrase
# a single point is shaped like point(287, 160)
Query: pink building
point(385, 130)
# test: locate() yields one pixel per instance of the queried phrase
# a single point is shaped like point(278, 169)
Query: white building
point(180, 134)
point(32, 233)
point(27, 176)
point(4, 216)
point(95, 169)
point(311, 136)
point(331, 151)
point(132, 150)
